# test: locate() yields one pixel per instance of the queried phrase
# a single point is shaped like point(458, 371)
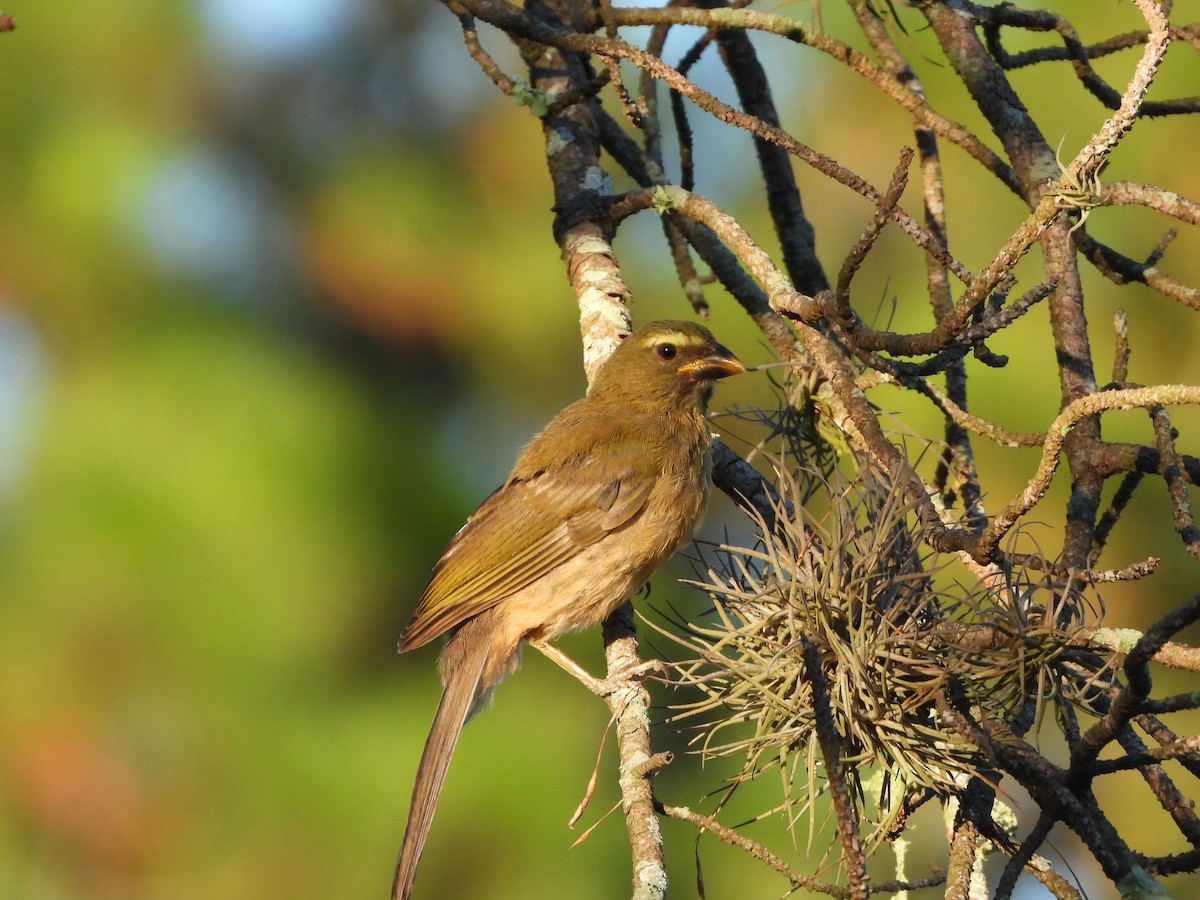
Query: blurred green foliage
point(278, 303)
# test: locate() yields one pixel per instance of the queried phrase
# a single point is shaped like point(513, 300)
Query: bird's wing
point(522, 531)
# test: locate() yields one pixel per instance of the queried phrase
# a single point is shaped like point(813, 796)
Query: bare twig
point(1129, 398)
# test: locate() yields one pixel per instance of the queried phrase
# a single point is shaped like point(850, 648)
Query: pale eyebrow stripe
point(675, 337)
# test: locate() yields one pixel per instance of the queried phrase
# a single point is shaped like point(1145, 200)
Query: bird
point(596, 501)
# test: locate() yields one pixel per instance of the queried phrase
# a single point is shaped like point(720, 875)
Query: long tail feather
point(457, 703)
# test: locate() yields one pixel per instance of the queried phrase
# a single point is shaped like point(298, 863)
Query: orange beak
point(718, 363)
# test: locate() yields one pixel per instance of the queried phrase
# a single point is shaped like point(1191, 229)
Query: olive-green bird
point(595, 503)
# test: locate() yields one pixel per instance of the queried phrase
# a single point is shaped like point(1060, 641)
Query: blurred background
point(279, 303)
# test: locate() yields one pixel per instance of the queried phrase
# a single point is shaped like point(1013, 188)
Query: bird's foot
point(602, 687)
point(622, 678)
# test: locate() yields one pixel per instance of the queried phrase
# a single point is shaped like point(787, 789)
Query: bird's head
point(666, 362)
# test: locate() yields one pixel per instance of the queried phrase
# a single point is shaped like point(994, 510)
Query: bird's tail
point(458, 701)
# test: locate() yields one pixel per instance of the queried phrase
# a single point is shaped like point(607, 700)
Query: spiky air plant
point(894, 639)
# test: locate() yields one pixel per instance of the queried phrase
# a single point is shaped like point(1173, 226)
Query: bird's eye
point(666, 351)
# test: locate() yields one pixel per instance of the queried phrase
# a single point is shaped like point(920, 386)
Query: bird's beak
point(718, 362)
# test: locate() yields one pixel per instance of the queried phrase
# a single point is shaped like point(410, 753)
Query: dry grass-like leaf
point(848, 576)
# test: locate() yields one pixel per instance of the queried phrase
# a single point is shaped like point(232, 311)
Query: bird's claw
point(601, 687)
point(624, 677)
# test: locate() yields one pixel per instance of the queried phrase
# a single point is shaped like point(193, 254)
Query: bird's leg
point(552, 653)
point(599, 686)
